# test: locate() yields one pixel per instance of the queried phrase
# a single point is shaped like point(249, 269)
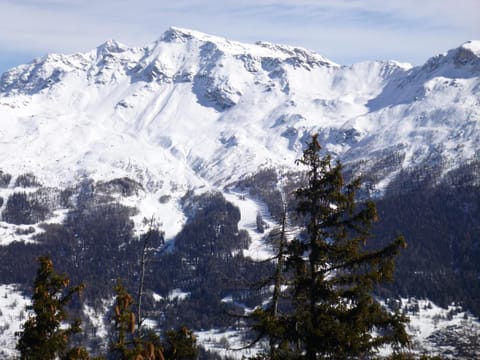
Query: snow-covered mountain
point(200, 110)
point(197, 112)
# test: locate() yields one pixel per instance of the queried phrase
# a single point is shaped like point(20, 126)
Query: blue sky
point(345, 31)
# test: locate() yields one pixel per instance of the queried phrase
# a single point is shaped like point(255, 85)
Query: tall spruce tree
point(335, 315)
point(43, 336)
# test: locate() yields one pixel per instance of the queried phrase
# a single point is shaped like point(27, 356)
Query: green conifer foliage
point(129, 344)
point(125, 345)
point(335, 315)
point(181, 344)
point(42, 336)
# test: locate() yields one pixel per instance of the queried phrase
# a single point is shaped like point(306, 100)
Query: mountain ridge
point(240, 100)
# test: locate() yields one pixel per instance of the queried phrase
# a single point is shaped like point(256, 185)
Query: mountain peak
point(259, 48)
point(462, 61)
point(176, 33)
point(468, 53)
point(111, 46)
point(473, 46)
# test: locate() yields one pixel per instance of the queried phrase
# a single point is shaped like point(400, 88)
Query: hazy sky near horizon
point(345, 31)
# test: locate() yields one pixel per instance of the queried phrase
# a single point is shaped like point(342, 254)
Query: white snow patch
point(157, 297)
point(430, 322)
point(224, 343)
point(177, 294)
point(98, 318)
point(259, 249)
point(473, 46)
point(12, 314)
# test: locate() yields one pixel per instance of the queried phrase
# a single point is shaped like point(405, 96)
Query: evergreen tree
point(42, 336)
point(335, 314)
point(124, 325)
point(129, 344)
point(181, 344)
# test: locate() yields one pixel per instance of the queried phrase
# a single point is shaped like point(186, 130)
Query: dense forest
point(322, 304)
point(442, 262)
point(436, 217)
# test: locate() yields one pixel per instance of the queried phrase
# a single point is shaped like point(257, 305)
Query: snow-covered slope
point(199, 110)
point(12, 313)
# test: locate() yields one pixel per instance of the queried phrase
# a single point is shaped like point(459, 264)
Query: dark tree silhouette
point(42, 336)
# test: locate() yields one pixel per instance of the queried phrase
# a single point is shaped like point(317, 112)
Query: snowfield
point(200, 111)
